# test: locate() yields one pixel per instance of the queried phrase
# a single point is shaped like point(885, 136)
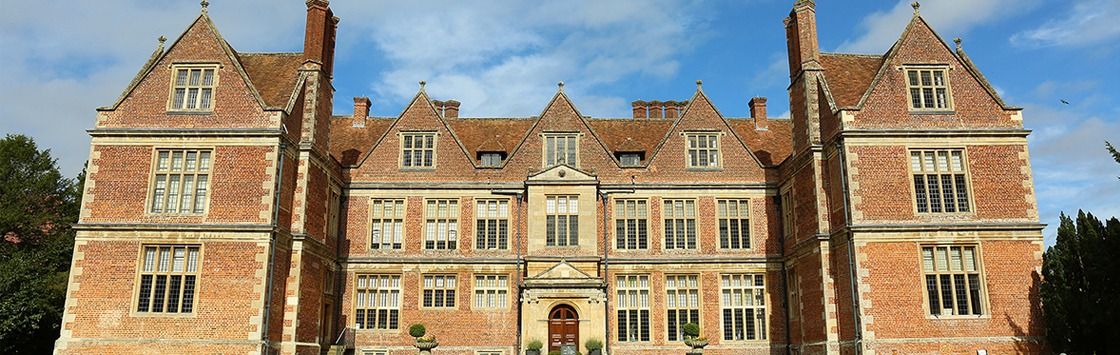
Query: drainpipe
point(785, 272)
point(340, 274)
point(280, 147)
point(851, 248)
point(606, 266)
point(517, 240)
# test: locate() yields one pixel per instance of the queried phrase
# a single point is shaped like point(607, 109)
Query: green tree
point(1112, 150)
point(1081, 282)
point(37, 207)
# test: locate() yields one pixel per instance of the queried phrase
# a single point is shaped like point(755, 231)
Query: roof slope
point(850, 75)
point(273, 74)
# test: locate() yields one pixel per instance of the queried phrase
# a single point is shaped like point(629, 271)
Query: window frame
point(624, 156)
point(481, 241)
point(175, 68)
point(986, 311)
point(403, 211)
point(406, 135)
point(154, 170)
point(482, 159)
point(399, 298)
point(747, 234)
point(498, 291)
point(575, 136)
point(454, 214)
point(620, 306)
point(688, 148)
point(665, 219)
point(139, 273)
point(573, 235)
point(616, 206)
point(699, 303)
point(945, 70)
point(761, 334)
point(454, 297)
point(965, 170)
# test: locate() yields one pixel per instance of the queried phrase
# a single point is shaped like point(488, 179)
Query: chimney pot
point(672, 109)
point(656, 110)
point(639, 109)
point(758, 112)
point(451, 109)
point(361, 107)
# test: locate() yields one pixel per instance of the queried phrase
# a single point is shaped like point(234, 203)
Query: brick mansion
point(229, 210)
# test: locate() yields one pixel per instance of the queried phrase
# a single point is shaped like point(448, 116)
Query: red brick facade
point(285, 240)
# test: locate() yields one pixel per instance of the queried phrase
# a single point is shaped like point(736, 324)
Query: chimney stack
point(801, 37)
point(639, 109)
point(672, 109)
point(361, 107)
point(656, 110)
point(758, 112)
point(451, 109)
point(319, 38)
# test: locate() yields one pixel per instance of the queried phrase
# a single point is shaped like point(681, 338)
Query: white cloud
point(950, 18)
point(1087, 22)
point(504, 57)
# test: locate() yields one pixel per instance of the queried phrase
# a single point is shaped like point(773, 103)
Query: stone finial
point(915, 5)
point(422, 83)
point(204, 4)
point(699, 83)
point(162, 39)
point(957, 41)
point(560, 85)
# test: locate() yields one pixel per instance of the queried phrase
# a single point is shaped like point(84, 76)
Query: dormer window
point(630, 159)
point(491, 159)
point(929, 89)
point(561, 148)
point(192, 88)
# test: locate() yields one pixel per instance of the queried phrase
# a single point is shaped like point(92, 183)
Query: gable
point(561, 116)
point(670, 160)
point(887, 103)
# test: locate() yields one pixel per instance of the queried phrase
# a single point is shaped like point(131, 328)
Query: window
point(442, 225)
point(744, 307)
point(181, 181)
point(633, 307)
point(929, 89)
point(682, 301)
point(940, 185)
point(493, 224)
point(378, 302)
point(388, 224)
point(794, 294)
point(489, 352)
point(952, 275)
point(439, 291)
point(168, 275)
point(490, 291)
point(680, 224)
point(630, 159)
point(734, 224)
point(490, 160)
point(787, 213)
point(703, 150)
point(334, 203)
point(561, 149)
point(630, 219)
point(418, 150)
point(193, 88)
point(562, 220)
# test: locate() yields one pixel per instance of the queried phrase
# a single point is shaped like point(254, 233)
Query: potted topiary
point(693, 339)
point(594, 346)
point(423, 342)
point(534, 347)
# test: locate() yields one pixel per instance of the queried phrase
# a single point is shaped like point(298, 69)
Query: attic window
point(630, 159)
point(491, 159)
point(192, 88)
point(929, 89)
point(561, 148)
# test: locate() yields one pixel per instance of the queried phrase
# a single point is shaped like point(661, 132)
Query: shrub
point(417, 330)
point(554, 352)
point(691, 329)
point(593, 344)
point(535, 344)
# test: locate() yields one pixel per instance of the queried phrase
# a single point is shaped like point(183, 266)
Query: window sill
point(932, 112)
point(704, 169)
point(955, 317)
point(136, 314)
point(190, 113)
point(418, 169)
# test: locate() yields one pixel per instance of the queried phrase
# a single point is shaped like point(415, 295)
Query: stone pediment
point(562, 274)
point(564, 174)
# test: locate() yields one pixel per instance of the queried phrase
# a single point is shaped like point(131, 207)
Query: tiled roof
point(349, 144)
point(772, 145)
point(849, 75)
point(490, 134)
point(273, 74)
point(631, 135)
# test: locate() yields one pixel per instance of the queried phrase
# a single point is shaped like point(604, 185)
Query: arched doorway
point(563, 327)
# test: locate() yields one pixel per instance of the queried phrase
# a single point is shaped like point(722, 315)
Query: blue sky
point(503, 58)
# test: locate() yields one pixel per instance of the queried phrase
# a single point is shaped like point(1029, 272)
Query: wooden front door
point(563, 327)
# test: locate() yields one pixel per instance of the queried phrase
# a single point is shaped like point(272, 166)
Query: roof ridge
point(269, 53)
point(864, 55)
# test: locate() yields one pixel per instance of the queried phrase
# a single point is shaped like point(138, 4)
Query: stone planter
point(697, 345)
point(595, 352)
point(533, 352)
point(426, 345)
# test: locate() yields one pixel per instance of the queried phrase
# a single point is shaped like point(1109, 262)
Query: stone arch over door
point(563, 327)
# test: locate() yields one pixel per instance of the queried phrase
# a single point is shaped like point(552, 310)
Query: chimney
point(801, 37)
point(758, 112)
point(655, 110)
point(672, 109)
point(318, 40)
point(361, 107)
point(639, 109)
point(451, 109)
